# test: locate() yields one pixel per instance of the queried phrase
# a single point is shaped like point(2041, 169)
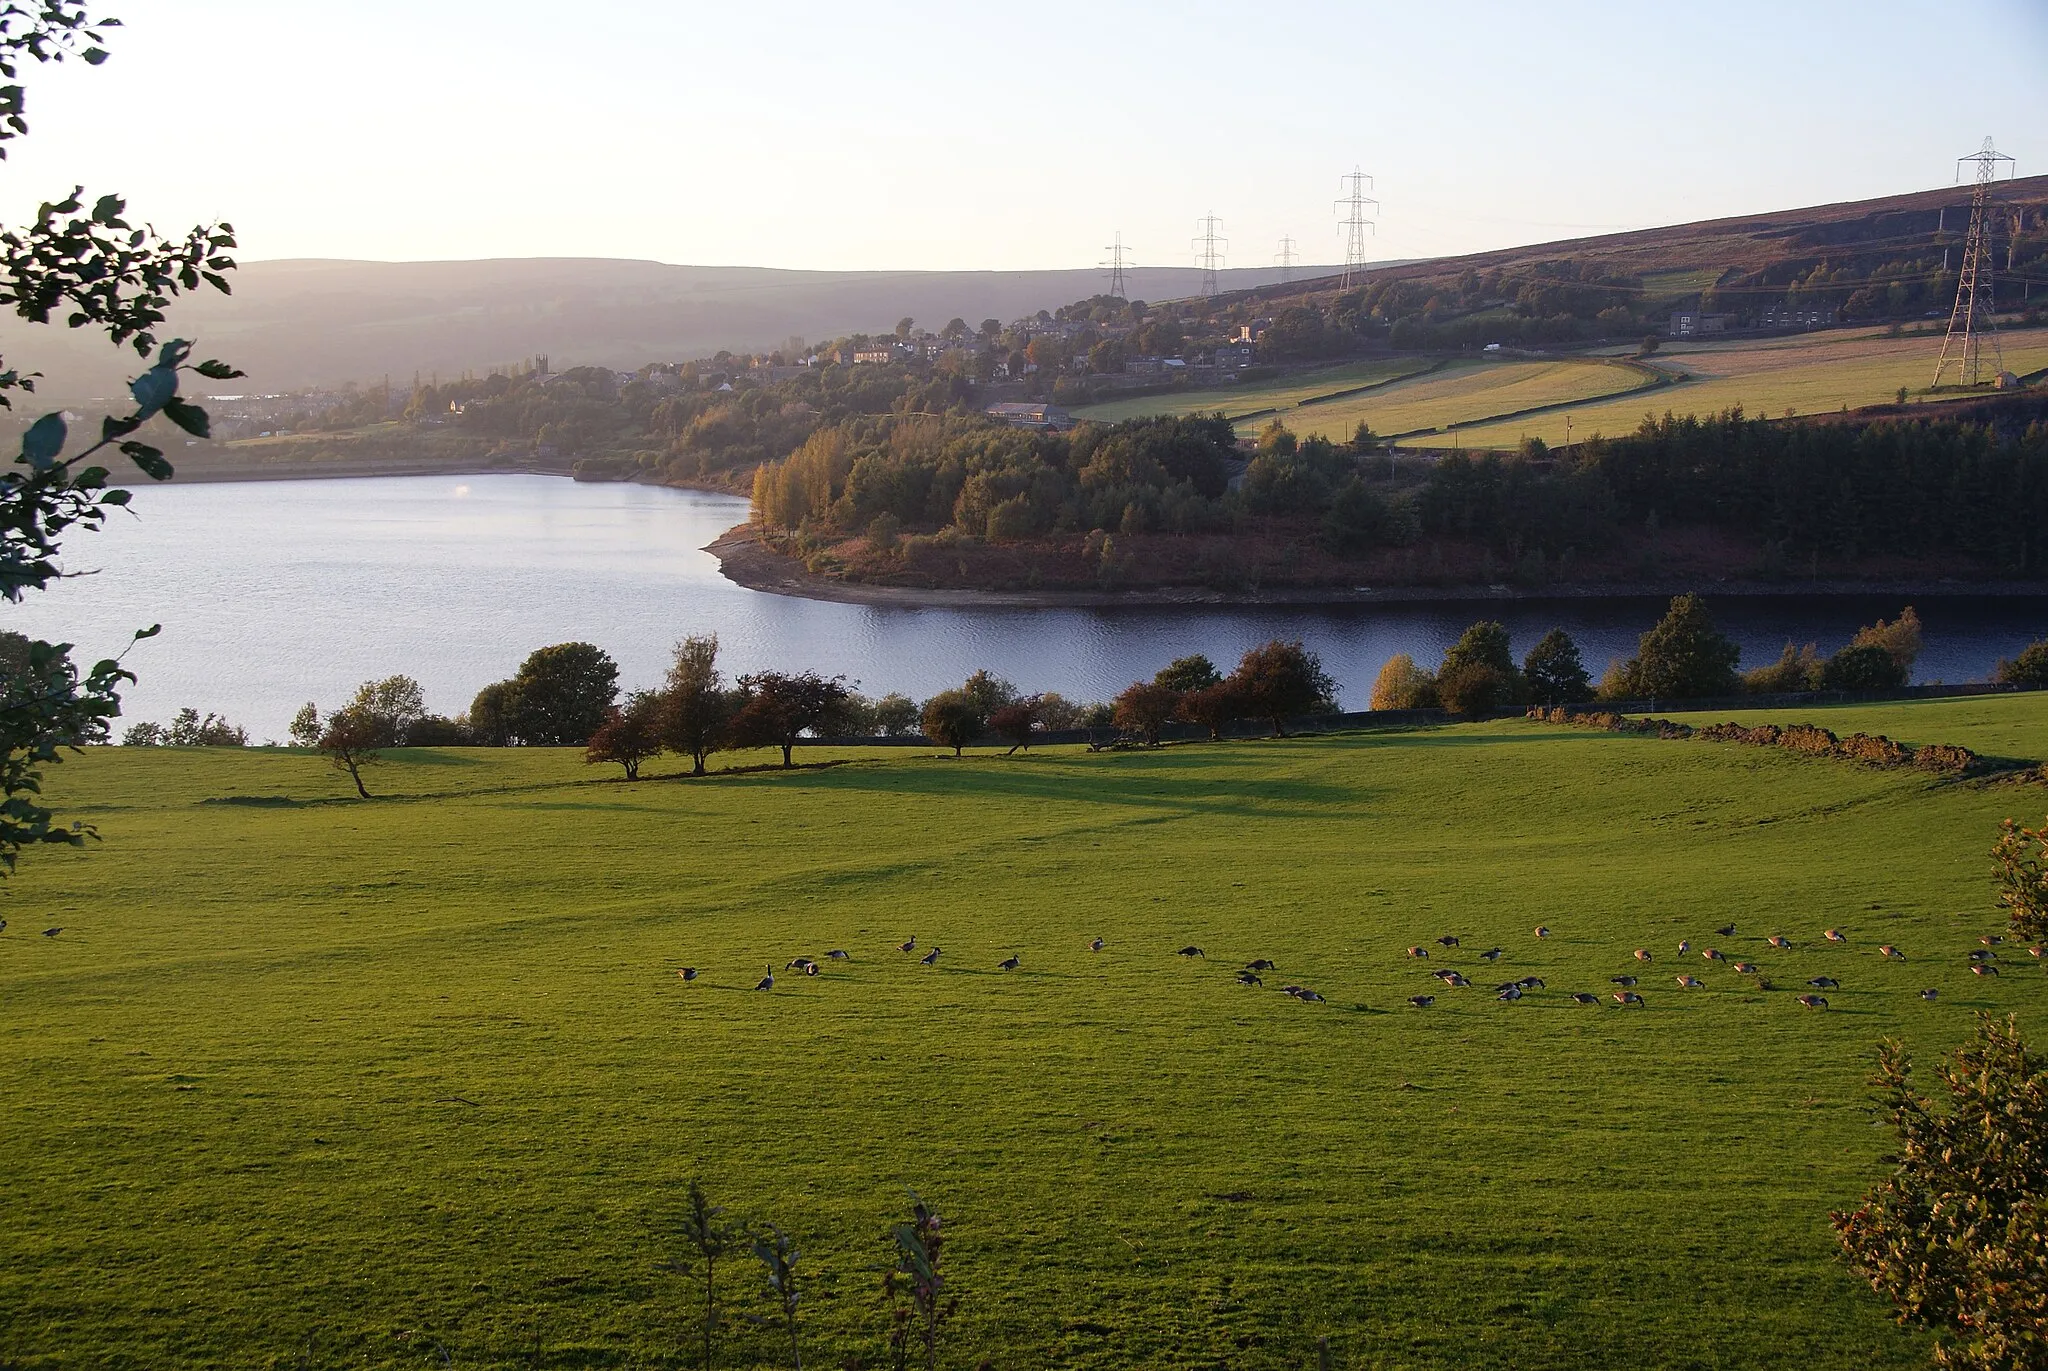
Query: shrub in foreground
point(2022, 859)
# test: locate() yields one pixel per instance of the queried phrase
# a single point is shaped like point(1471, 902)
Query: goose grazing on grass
point(1981, 954)
point(1621, 980)
point(799, 963)
point(1448, 940)
point(1825, 983)
point(1310, 997)
point(1684, 946)
point(1643, 954)
point(688, 973)
point(1714, 954)
point(1532, 983)
point(838, 954)
point(767, 982)
point(1726, 930)
point(1492, 954)
point(1814, 1001)
point(1455, 981)
point(1581, 997)
point(1992, 939)
point(1422, 1001)
point(1627, 997)
point(1509, 994)
point(1010, 963)
point(1835, 935)
point(1745, 968)
point(1507, 985)
point(1095, 944)
point(1983, 969)
point(2034, 951)
point(1192, 951)
point(1928, 994)
point(1444, 973)
point(930, 957)
point(1541, 931)
point(1690, 983)
point(908, 946)
point(52, 932)
point(1249, 978)
point(1891, 953)
point(1262, 964)
point(1779, 941)
point(1418, 952)
point(810, 968)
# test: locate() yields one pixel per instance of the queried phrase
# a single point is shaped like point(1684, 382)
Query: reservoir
point(275, 593)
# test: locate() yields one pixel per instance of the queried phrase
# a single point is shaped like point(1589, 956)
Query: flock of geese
point(1983, 961)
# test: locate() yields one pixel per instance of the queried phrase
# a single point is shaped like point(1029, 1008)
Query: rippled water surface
point(275, 593)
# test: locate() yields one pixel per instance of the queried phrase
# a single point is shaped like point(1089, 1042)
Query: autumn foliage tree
point(1144, 708)
point(629, 735)
point(1016, 721)
point(2022, 859)
point(953, 718)
point(775, 709)
point(1280, 680)
point(695, 706)
point(1956, 1238)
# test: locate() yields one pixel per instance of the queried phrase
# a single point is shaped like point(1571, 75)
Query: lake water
point(275, 593)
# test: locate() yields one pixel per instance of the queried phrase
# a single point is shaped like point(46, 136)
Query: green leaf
point(149, 459)
point(43, 441)
point(189, 417)
point(153, 389)
point(94, 56)
point(218, 371)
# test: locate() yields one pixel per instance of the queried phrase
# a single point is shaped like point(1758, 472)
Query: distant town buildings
point(1692, 323)
point(1031, 416)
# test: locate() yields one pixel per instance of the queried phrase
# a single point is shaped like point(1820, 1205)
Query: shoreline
point(746, 563)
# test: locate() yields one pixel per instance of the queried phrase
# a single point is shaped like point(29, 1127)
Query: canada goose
point(1835, 935)
point(767, 982)
point(1621, 980)
point(1249, 978)
point(1714, 954)
point(1010, 963)
point(1418, 952)
point(810, 968)
point(3, 925)
point(1928, 994)
point(1507, 985)
point(52, 932)
point(1290, 990)
point(1813, 1001)
point(930, 957)
point(1726, 930)
point(1448, 940)
point(798, 963)
point(1492, 954)
point(1422, 1001)
point(1746, 968)
point(1532, 983)
point(1510, 994)
point(1455, 981)
point(1983, 954)
point(839, 954)
point(1684, 946)
point(1983, 969)
point(2033, 951)
point(1825, 983)
point(688, 973)
point(1445, 973)
point(1992, 939)
point(910, 946)
point(1779, 941)
point(1192, 951)
point(1690, 983)
point(1262, 964)
point(1643, 954)
point(1541, 931)
point(1310, 997)
point(1581, 997)
point(1627, 997)
point(1095, 944)
point(1891, 952)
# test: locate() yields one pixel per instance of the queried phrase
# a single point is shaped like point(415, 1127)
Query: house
point(1796, 316)
point(1032, 416)
point(1692, 323)
point(875, 354)
point(1234, 356)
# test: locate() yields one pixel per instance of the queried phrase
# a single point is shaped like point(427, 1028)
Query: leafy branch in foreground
point(2022, 857)
point(706, 1230)
point(1957, 1236)
point(775, 1250)
point(917, 1274)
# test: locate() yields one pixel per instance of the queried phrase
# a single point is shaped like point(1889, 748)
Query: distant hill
point(296, 324)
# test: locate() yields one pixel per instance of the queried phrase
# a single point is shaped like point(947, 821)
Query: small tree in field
point(1473, 689)
point(954, 719)
point(919, 1276)
point(775, 710)
point(629, 735)
point(1017, 722)
point(1957, 1236)
point(778, 1254)
point(695, 707)
point(1144, 708)
point(705, 1229)
point(2022, 857)
point(1403, 685)
point(1554, 671)
point(1215, 708)
point(1683, 657)
point(1279, 680)
point(350, 742)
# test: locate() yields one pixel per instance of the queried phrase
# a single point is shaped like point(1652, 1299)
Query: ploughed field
point(309, 1081)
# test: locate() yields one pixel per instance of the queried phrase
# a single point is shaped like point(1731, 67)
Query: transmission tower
point(1355, 224)
point(1285, 257)
point(1209, 246)
point(1972, 317)
point(1119, 262)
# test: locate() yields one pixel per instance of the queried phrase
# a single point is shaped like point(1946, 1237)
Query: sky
point(866, 134)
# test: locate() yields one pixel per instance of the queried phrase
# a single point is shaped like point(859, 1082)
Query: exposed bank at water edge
point(745, 561)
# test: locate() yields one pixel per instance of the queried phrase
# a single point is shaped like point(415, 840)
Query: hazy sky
point(863, 133)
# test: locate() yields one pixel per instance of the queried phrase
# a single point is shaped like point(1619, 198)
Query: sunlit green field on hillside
point(311, 1081)
point(1812, 374)
point(1280, 393)
point(1464, 392)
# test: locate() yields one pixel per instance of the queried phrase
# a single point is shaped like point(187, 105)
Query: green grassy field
point(1811, 374)
point(310, 1081)
point(1281, 393)
point(1463, 392)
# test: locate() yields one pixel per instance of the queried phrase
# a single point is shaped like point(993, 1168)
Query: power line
point(1973, 287)
point(1117, 265)
point(1208, 255)
point(1355, 224)
point(1285, 257)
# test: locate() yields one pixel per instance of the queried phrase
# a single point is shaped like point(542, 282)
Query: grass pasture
point(1281, 393)
point(1462, 393)
point(1808, 374)
point(310, 1081)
